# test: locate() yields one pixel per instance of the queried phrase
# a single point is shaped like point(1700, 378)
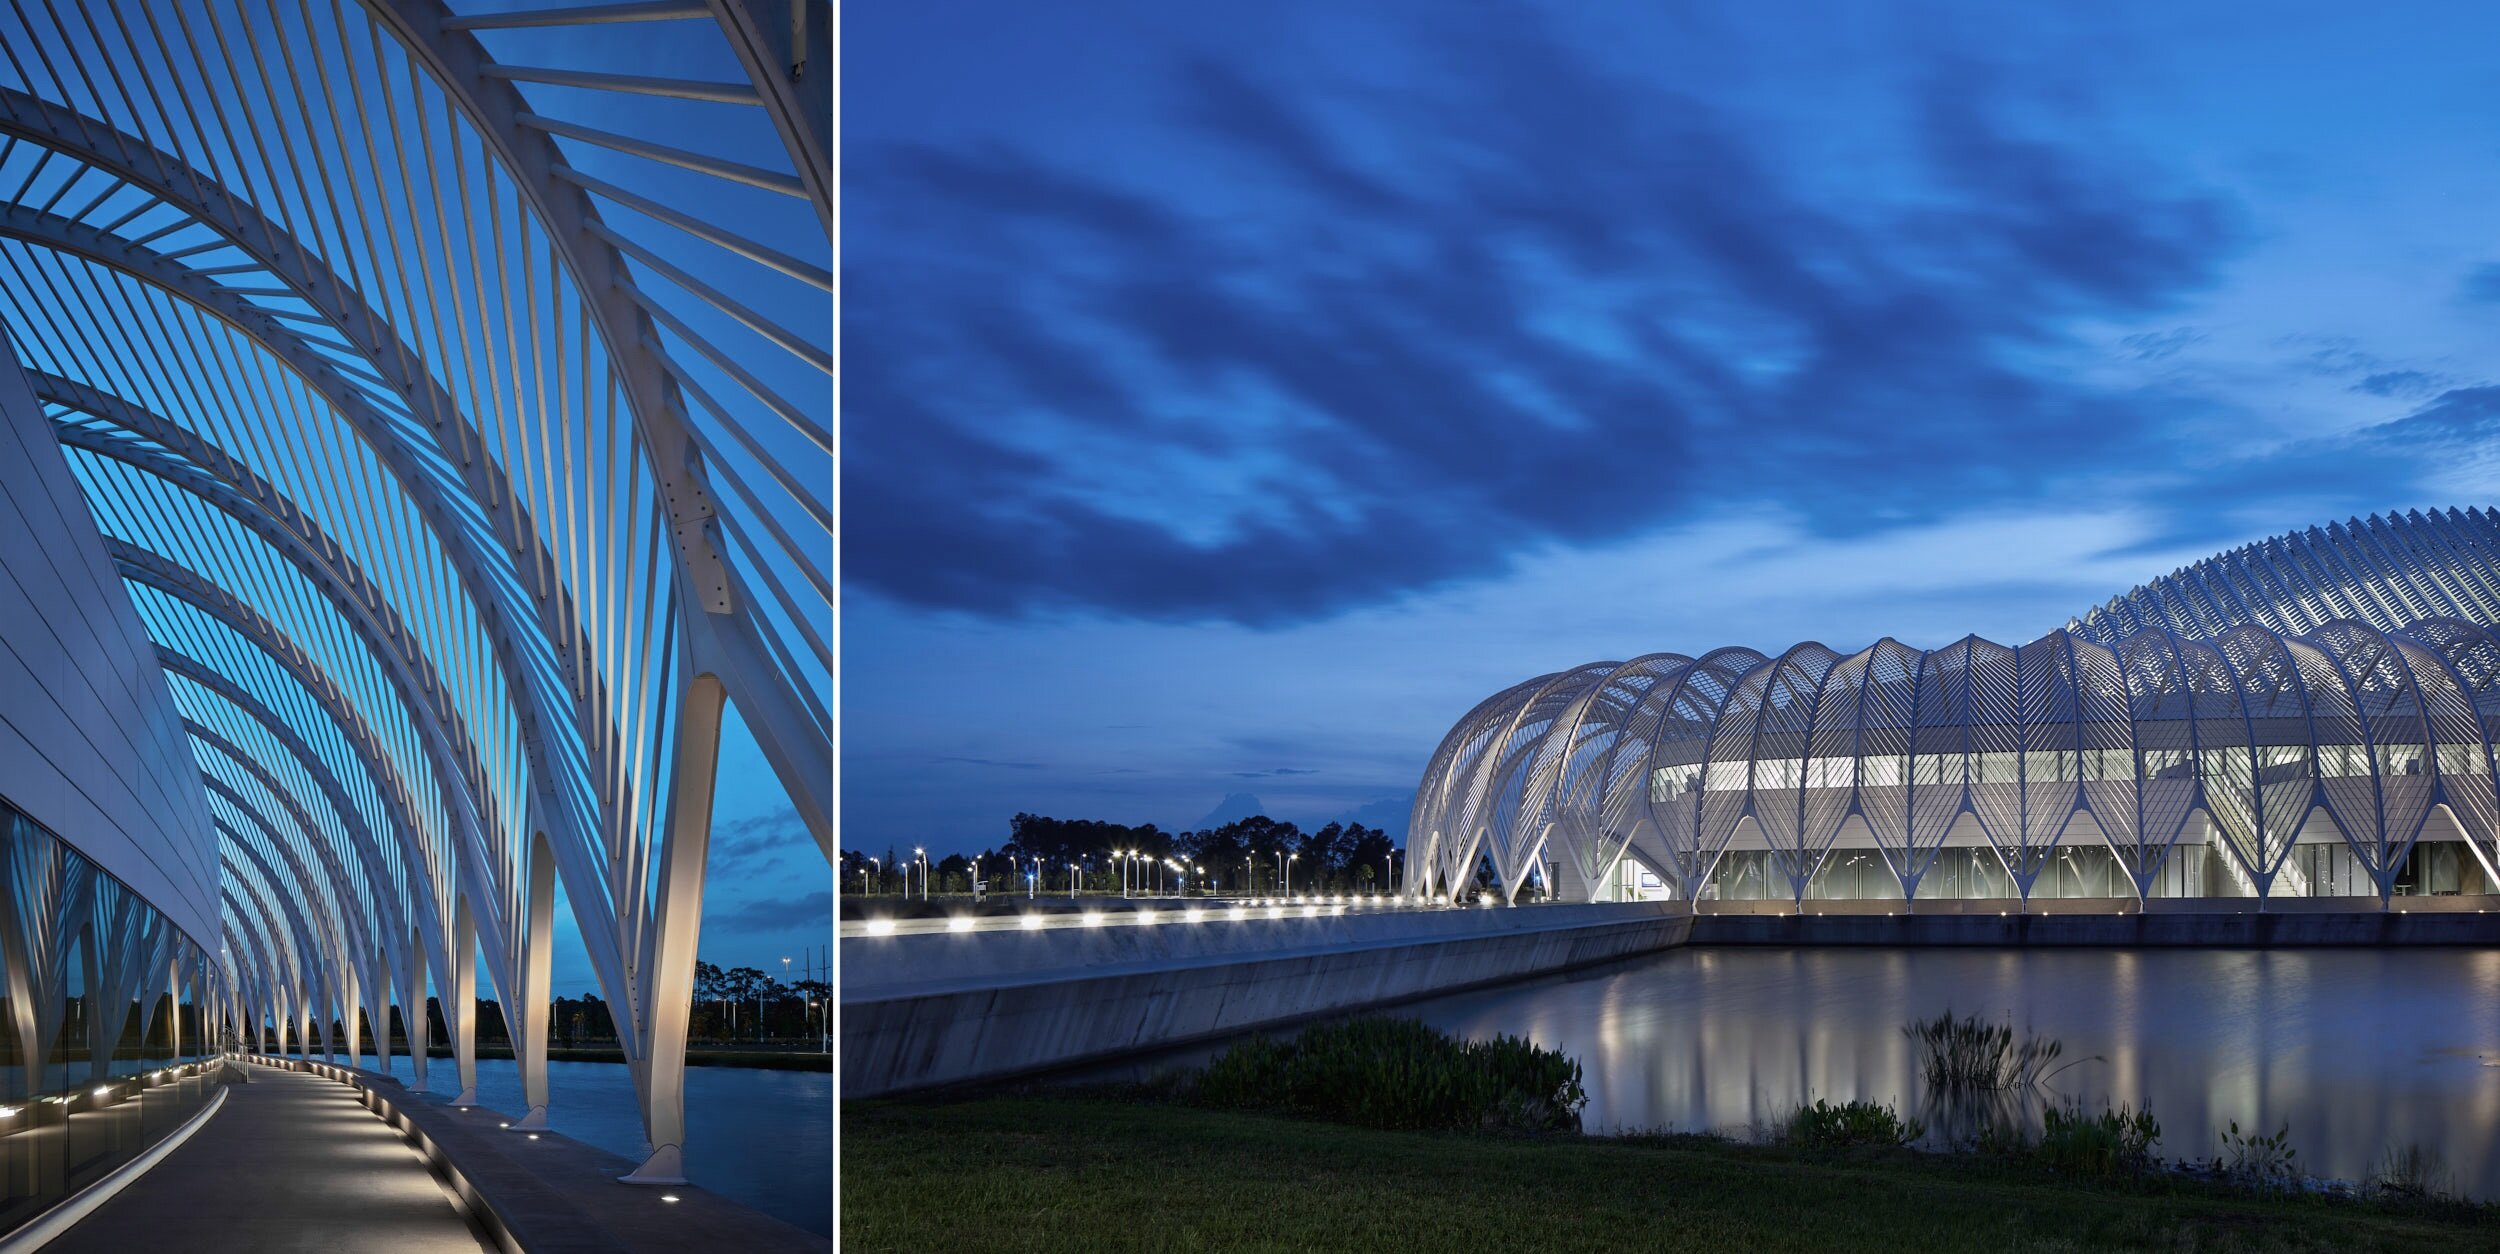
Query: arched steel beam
point(787, 49)
point(313, 925)
point(581, 704)
point(382, 892)
point(517, 544)
point(140, 565)
point(731, 643)
point(352, 931)
point(494, 106)
point(305, 971)
point(726, 638)
point(226, 484)
point(283, 970)
point(341, 911)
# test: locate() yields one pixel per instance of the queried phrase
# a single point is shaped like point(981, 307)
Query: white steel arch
point(2165, 716)
point(453, 395)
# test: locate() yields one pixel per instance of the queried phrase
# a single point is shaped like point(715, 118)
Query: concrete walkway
point(292, 1163)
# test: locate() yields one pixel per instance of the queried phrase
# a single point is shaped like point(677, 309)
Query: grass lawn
point(1080, 1172)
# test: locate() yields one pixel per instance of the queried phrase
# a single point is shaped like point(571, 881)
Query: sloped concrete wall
point(1083, 994)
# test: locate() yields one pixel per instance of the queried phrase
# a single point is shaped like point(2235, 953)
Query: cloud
point(1280, 770)
point(1011, 766)
point(760, 835)
point(1560, 308)
point(2156, 345)
point(2482, 283)
point(2392, 383)
point(773, 914)
point(2467, 416)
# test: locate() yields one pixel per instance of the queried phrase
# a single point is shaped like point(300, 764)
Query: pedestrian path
point(292, 1163)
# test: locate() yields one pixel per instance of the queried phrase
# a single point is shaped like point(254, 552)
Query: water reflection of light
point(2357, 1050)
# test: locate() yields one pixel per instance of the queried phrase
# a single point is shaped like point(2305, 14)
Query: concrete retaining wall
point(2216, 930)
point(920, 1011)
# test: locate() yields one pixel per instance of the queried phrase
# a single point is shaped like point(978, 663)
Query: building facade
point(2312, 716)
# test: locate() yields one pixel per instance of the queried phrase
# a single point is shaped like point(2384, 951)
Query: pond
point(2357, 1051)
point(763, 1139)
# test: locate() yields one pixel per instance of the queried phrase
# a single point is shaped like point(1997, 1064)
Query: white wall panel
point(90, 744)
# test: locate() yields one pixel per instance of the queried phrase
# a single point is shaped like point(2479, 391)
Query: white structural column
point(528, 1028)
point(661, 1082)
point(460, 1000)
point(413, 1019)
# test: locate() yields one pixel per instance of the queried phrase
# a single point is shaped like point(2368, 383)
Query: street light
point(880, 868)
point(1071, 881)
point(1289, 875)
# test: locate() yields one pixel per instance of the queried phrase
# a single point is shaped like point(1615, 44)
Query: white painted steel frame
point(460, 512)
point(2291, 682)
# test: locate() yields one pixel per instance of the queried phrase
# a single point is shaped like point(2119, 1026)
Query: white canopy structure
point(449, 388)
point(2337, 690)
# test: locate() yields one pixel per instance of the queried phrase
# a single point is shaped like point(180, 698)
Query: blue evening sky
point(1235, 394)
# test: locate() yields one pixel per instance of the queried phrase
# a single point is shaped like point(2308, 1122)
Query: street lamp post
point(1289, 875)
point(921, 856)
point(880, 869)
point(1071, 881)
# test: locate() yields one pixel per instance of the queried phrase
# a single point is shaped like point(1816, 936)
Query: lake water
point(2357, 1050)
point(760, 1138)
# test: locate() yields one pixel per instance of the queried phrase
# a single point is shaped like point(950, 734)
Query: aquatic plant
point(2112, 1143)
point(2265, 1163)
point(2410, 1173)
point(1399, 1073)
point(1825, 1126)
point(1972, 1053)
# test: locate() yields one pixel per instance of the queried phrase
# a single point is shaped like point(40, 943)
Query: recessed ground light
point(533, 1136)
point(881, 927)
point(668, 1197)
point(960, 923)
point(503, 1125)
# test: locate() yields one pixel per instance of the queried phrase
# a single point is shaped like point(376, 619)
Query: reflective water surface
point(763, 1139)
point(2357, 1050)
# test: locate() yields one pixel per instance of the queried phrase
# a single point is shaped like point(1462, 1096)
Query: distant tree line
point(1248, 855)
point(731, 1006)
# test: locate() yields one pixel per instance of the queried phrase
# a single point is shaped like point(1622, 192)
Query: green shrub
point(2110, 1144)
point(1825, 1126)
point(1399, 1073)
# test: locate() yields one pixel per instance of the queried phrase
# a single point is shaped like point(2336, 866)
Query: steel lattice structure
point(462, 433)
point(2338, 685)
